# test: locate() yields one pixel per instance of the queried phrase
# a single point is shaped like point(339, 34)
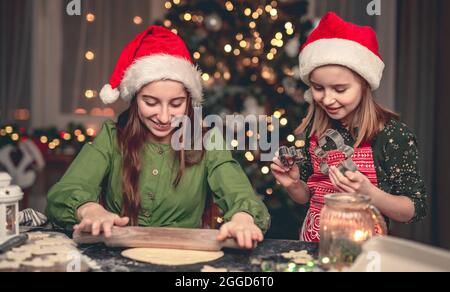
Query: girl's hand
point(95, 219)
point(352, 182)
point(285, 176)
point(243, 229)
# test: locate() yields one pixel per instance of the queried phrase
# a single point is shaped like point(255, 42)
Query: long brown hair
point(370, 118)
point(132, 136)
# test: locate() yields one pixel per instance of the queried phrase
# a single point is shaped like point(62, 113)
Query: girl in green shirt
point(132, 163)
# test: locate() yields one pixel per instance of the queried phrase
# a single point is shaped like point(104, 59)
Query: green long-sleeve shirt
point(162, 205)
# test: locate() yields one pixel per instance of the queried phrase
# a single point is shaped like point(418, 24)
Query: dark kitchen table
point(267, 254)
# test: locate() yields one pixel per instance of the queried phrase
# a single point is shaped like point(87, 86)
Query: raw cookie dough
point(209, 269)
point(298, 257)
point(171, 257)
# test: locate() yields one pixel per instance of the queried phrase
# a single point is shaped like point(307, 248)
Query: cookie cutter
point(289, 156)
point(347, 164)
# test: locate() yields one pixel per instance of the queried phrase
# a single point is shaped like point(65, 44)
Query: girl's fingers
point(240, 238)
point(121, 221)
point(342, 179)
point(277, 168)
point(345, 182)
point(278, 162)
point(223, 233)
point(248, 239)
point(96, 228)
point(338, 184)
point(85, 226)
point(107, 228)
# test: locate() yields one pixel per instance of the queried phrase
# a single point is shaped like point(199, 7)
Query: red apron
point(320, 184)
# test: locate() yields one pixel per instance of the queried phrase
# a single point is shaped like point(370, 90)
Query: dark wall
point(441, 203)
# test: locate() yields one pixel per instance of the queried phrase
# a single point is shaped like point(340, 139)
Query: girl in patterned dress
point(341, 63)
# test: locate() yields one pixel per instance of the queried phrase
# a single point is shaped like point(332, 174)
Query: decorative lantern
point(9, 208)
point(346, 222)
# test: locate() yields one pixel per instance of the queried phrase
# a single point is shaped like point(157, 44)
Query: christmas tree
point(248, 53)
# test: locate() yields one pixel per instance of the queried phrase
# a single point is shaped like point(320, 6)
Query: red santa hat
point(336, 42)
point(155, 54)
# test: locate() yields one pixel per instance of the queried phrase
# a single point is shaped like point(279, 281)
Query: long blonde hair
point(370, 118)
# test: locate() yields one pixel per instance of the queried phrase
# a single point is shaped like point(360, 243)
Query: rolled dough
point(171, 257)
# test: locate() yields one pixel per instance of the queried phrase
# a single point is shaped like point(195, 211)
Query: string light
point(205, 76)
point(269, 191)
point(22, 114)
point(288, 25)
point(176, 2)
point(77, 132)
point(89, 55)
point(90, 17)
point(265, 170)
point(227, 75)
point(137, 20)
point(90, 94)
point(81, 138)
point(168, 5)
point(43, 139)
point(67, 136)
point(249, 156)
point(283, 122)
point(234, 143)
point(80, 111)
point(239, 37)
point(15, 137)
point(90, 132)
point(247, 11)
point(252, 25)
point(197, 55)
point(299, 143)
point(237, 52)
point(228, 48)
point(167, 23)
point(243, 44)
point(229, 6)
point(9, 130)
point(187, 16)
point(291, 138)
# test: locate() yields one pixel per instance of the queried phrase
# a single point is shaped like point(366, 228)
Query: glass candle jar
point(346, 222)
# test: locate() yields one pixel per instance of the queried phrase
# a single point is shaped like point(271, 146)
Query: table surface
point(110, 259)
